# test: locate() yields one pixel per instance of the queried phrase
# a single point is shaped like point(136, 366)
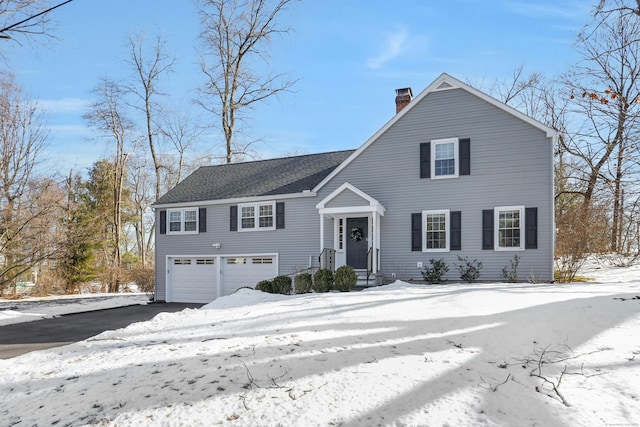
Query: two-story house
point(454, 173)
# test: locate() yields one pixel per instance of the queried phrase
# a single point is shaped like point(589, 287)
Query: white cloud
point(64, 105)
point(395, 44)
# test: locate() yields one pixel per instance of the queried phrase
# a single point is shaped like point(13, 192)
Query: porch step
point(363, 283)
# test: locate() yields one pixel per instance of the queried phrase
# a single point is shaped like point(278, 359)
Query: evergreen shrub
point(345, 278)
point(282, 285)
point(265, 286)
point(323, 280)
point(302, 283)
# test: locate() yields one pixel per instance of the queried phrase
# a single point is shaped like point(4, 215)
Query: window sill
point(247, 230)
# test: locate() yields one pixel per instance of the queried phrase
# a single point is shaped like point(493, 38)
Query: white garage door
point(238, 272)
point(192, 279)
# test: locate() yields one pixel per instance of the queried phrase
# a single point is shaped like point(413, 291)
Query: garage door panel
point(241, 271)
point(193, 279)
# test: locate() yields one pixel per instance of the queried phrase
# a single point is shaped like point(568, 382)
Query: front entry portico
point(355, 227)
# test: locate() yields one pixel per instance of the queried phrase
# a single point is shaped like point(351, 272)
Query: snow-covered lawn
point(444, 355)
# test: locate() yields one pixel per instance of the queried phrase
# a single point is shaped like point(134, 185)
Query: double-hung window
point(436, 226)
point(444, 158)
point(183, 221)
point(257, 216)
point(509, 228)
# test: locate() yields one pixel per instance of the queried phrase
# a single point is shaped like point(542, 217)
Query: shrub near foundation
point(345, 278)
point(265, 286)
point(302, 283)
point(435, 273)
point(282, 285)
point(322, 280)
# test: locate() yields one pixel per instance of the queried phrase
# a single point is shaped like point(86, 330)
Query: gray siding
point(347, 198)
point(510, 165)
point(293, 244)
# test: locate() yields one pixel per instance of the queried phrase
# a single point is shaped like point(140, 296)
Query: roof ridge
point(279, 158)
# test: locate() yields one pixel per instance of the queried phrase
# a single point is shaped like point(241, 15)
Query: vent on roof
point(403, 98)
point(444, 85)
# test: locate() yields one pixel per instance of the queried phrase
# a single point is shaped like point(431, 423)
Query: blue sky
point(349, 57)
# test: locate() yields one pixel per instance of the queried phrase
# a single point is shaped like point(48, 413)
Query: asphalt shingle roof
point(259, 178)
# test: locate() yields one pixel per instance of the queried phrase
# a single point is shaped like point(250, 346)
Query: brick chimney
point(403, 98)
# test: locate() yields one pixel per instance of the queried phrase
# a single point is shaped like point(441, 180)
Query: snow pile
point(403, 354)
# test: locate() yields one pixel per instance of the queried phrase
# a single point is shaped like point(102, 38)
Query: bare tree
point(181, 131)
point(107, 115)
point(509, 91)
point(607, 7)
point(149, 68)
point(23, 137)
point(140, 180)
point(26, 20)
point(15, 17)
point(234, 33)
point(605, 90)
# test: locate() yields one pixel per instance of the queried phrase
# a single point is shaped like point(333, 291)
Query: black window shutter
point(233, 218)
point(455, 228)
point(487, 229)
point(163, 222)
point(202, 220)
point(531, 228)
point(279, 214)
point(416, 232)
point(425, 160)
point(464, 150)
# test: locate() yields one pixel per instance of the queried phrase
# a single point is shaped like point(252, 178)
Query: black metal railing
point(327, 259)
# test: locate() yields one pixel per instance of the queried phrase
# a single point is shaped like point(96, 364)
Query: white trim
point(182, 221)
point(374, 205)
point(352, 210)
point(347, 187)
point(372, 211)
point(233, 201)
point(446, 212)
point(456, 157)
point(256, 216)
point(437, 85)
point(321, 233)
point(496, 230)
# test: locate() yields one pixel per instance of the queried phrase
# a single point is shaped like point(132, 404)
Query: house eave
point(379, 209)
point(234, 200)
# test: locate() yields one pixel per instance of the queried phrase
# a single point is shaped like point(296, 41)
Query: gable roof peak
point(442, 83)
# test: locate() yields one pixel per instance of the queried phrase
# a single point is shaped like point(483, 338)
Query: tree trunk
point(616, 227)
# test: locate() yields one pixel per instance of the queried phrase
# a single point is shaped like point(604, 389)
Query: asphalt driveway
point(21, 338)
